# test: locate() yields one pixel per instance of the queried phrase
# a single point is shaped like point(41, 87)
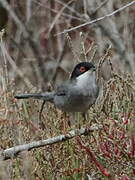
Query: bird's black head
point(82, 68)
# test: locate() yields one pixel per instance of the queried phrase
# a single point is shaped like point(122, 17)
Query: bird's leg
point(66, 122)
point(84, 115)
point(85, 120)
point(72, 119)
point(40, 116)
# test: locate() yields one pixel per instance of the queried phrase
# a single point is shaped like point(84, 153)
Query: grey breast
point(70, 98)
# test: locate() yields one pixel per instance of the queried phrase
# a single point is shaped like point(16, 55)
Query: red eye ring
point(82, 69)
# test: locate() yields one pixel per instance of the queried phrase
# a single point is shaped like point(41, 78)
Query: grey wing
point(62, 90)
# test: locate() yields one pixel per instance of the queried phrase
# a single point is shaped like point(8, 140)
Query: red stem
point(88, 150)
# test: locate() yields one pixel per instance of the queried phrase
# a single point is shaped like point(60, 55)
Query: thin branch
point(93, 157)
point(72, 10)
point(55, 11)
point(28, 10)
point(58, 15)
point(98, 19)
point(58, 62)
point(14, 151)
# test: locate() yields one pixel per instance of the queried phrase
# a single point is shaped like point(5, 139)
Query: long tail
point(48, 96)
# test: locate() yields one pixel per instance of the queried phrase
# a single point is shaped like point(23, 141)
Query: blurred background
point(35, 53)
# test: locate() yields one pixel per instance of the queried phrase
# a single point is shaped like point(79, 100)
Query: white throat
point(86, 79)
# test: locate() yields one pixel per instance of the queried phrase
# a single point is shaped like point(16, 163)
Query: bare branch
point(28, 10)
point(58, 15)
point(56, 11)
point(98, 19)
point(14, 151)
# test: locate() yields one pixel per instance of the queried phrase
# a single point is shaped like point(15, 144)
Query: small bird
point(77, 94)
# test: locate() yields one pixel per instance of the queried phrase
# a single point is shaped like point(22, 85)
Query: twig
point(72, 10)
point(56, 11)
point(14, 151)
point(14, 66)
point(72, 48)
point(93, 54)
point(83, 50)
point(4, 57)
point(107, 54)
point(58, 62)
point(124, 80)
point(93, 158)
point(99, 7)
point(28, 10)
point(41, 109)
point(96, 20)
point(57, 16)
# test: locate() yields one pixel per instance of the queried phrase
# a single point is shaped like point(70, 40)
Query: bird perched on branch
point(77, 94)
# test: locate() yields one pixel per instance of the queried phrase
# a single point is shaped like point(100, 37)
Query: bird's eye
point(82, 69)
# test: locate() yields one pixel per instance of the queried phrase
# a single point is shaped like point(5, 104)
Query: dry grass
point(113, 146)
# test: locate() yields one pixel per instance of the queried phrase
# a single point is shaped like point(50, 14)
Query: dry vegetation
point(31, 59)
